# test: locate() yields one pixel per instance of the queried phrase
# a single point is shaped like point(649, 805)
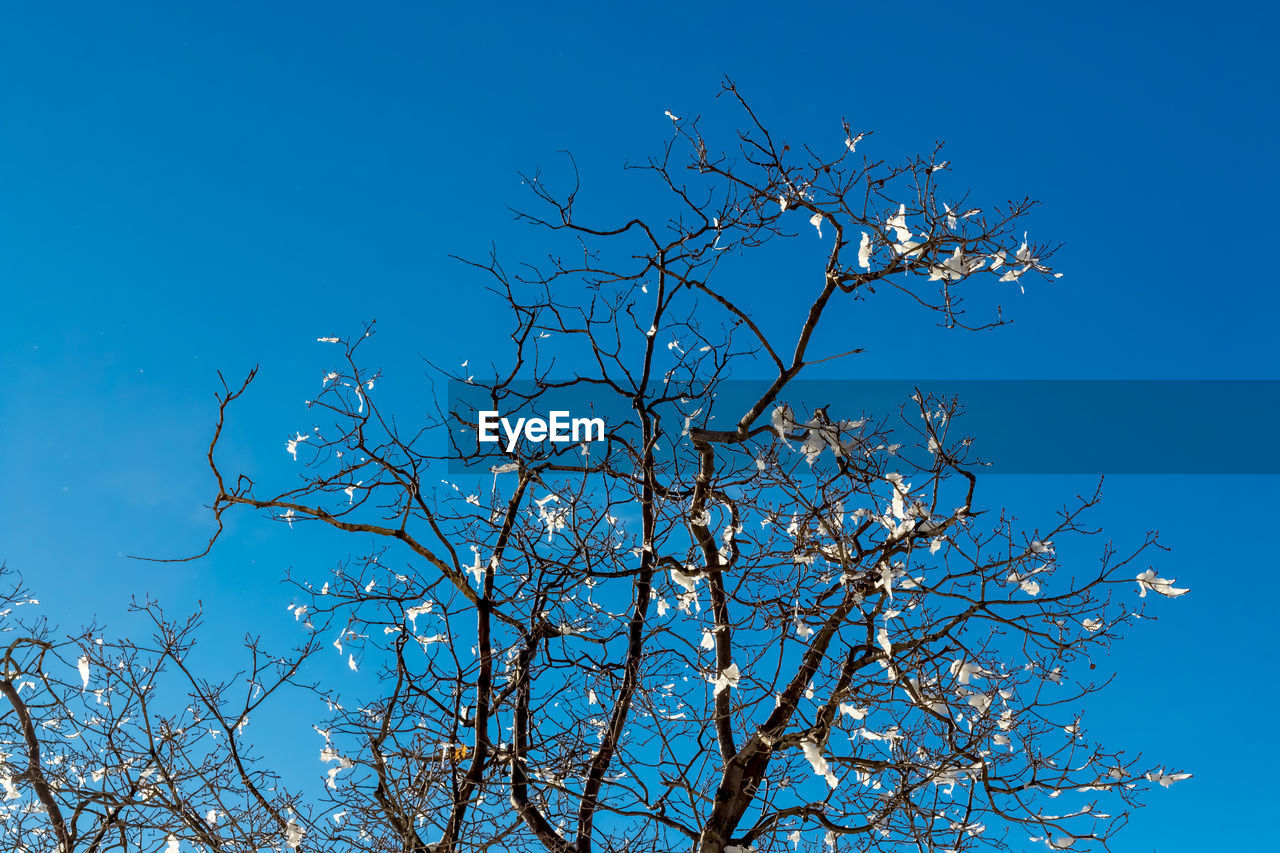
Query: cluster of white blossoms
point(840, 437)
point(907, 245)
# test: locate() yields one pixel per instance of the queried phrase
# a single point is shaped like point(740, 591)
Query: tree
point(783, 629)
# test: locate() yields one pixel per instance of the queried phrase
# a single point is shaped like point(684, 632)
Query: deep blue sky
point(186, 191)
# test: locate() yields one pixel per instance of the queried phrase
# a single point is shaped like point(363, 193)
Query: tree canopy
point(738, 621)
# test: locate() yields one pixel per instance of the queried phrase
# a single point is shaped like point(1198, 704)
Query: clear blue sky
point(183, 191)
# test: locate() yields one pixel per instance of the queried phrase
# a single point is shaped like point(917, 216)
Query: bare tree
point(778, 630)
point(117, 745)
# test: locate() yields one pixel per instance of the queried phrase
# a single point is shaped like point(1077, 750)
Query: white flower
point(729, 677)
point(980, 702)
point(1024, 253)
point(343, 763)
point(855, 713)
point(1024, 581)
point(291, 446)
point(1148, 581)
point(899, 224)
point(412, 613)
point(783, 420)
point(689, 582)
point(1014, 275)
point(956, 267)
point(476, 569)
point(293, 835)
point(1166, 779)
point(882, 637)
point(813, 752)
point(864, 252)
point(964, 671)
point(909, 248)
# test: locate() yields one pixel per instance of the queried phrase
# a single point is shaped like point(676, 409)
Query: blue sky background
point(186, 191)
